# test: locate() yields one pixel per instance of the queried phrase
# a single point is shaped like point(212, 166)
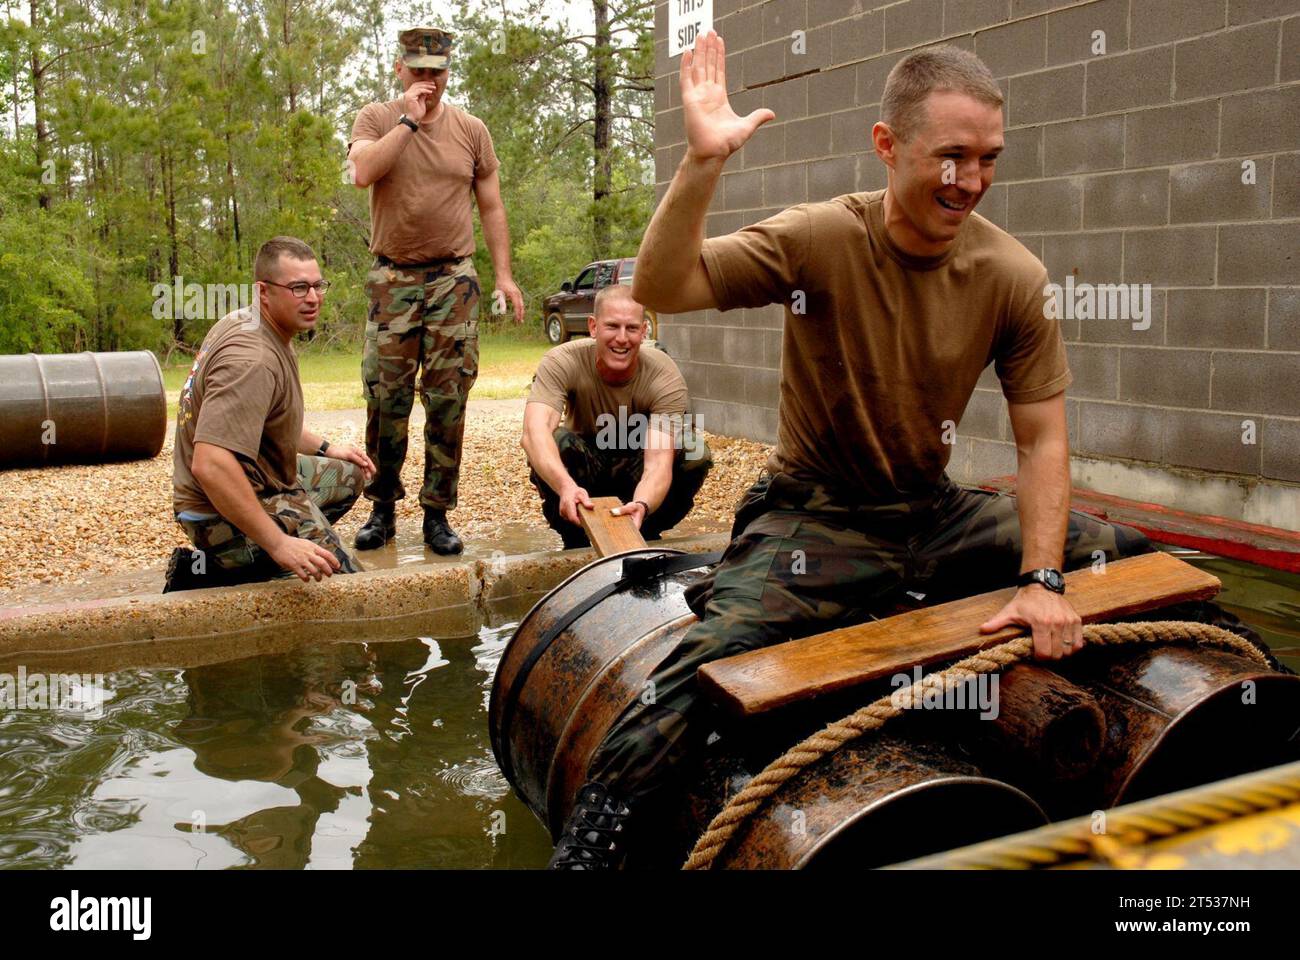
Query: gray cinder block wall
point(1128, 166)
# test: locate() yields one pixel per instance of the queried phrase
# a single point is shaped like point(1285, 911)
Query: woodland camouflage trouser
point(423, 321)
point(327, 488)
point(615, 473)
point(800, 563)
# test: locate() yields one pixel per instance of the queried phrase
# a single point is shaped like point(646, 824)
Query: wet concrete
point(447, 598)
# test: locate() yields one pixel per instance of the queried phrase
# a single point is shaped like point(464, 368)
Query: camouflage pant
point(423, 319)
point(801, 563)
point(327, 489)
point(615, 473)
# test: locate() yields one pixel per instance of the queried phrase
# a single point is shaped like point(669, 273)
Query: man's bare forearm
point(670, 250)
point(374, 160)
point(226, 486)
point(496, 234)
point(309, 443)
point(656, 477)
point(544, 457)
point(1043, 503)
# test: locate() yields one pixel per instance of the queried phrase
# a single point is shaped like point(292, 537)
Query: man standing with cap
point(422, 159)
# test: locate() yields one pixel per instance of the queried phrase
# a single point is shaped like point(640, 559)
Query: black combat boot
point(438, 534)
point(594, 837)
point(379, 529)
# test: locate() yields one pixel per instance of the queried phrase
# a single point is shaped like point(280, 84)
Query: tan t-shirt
point(882, 350)
point(243, 393)
point(566, 379)
point(420, 209)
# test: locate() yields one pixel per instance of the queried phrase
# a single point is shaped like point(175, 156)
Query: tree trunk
point(38, 92)
point(603, 59)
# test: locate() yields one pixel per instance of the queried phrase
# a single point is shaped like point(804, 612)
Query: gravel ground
point(73, 525)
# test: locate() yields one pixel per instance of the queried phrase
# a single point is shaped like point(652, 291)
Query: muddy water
point(328, 756)
point(347, 755)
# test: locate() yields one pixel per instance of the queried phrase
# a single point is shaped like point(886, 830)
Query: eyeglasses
point(300, 288)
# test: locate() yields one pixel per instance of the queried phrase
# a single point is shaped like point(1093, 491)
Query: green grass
point(332, 381)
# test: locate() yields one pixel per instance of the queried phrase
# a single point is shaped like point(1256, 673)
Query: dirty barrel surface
point(80, 408)
point(584, 653)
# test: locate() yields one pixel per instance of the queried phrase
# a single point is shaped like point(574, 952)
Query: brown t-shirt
point(882, 350)
point(243, 394)
point(566, 380)
point(420, 209)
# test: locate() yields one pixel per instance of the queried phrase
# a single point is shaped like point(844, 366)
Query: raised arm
point(670, 275)
point(370, 160)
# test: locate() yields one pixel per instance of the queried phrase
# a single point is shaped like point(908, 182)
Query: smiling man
point(423, 160)
point(895, 302)
point(624, 435)
point(254, 490)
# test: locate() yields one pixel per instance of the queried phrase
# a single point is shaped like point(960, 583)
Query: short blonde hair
point(614, 293)
point(920, 74)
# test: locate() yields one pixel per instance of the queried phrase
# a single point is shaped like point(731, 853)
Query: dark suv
point(565, 313)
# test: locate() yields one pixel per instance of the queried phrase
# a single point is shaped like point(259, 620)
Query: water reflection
point(338, 756)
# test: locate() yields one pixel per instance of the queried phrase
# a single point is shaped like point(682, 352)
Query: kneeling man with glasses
point(255, 492)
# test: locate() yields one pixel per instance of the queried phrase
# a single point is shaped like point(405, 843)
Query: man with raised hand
point(904, 296)
point(254, 490)
point(624, 434)
point(423, 159)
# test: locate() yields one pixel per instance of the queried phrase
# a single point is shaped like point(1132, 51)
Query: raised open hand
point(712, 127)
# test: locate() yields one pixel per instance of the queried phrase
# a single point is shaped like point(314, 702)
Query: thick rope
point(874, 716)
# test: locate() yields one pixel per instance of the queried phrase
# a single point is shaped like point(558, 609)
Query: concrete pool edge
point(443, 600)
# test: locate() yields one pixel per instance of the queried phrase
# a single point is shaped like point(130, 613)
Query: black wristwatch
point(324, 445)
point(407, 121)
point(1050, 578)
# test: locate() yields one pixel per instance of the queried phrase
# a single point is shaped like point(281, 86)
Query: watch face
point(1054, 579)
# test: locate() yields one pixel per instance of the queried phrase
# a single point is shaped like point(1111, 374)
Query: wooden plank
point(609, 534)
point(762, 680)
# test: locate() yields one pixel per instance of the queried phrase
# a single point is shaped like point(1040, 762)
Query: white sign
point(687, 20)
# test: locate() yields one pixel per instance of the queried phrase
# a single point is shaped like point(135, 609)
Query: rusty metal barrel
point(584, 653)
point(1178, 716)
point(80, 408)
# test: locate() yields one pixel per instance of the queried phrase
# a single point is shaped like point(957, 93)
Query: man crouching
point(254, 491)
point(624, 434)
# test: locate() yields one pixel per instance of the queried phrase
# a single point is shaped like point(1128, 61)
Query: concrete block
point(1170, 256)
point(1081, 146)
point(1174, 378)
point(984, 416)
point(782, 17)
point(1210, 441)
point(1211, 192)
point(1159, 21)
point(1070, 32)
point(806, 139)
point(1286, 185)
point(1022, 155)
point(1045, 206)
point(1280, 440)
point(1090, 257)
point(963, 16)
point(1049, 95)
point(832, 177)
point(1248, 11)
point(1284, 319)
point(1267, 254)
point(1231, 317)
point(1136, 199)
point(1121, 430)
point(1014, 47)
point(1171, 134)
point(1130, 80)
point(857, 38)
point(913, 23)
point(1247, 382)
point(1095, 369)
point(743, 189)
point(787, 99)
point(786, 184)
point(1262, 121)
point(1226, 61)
